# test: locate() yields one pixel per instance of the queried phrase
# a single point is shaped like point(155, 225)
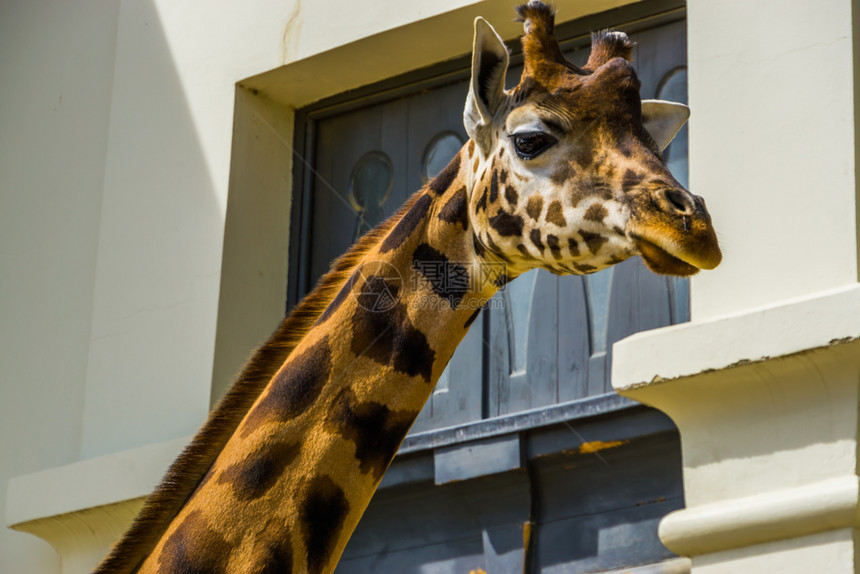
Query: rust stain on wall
point(290, 39)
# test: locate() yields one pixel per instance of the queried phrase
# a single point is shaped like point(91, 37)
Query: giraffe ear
point(487, 89)
point(663, 120)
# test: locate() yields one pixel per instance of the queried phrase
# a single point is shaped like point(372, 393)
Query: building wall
point(57, 65)
point(125, 131)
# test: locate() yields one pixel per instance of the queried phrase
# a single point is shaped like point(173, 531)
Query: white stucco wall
point(771, 86)
point(56, 70)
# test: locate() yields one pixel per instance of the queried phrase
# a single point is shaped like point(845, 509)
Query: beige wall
point(56, 73)
point(772, 147)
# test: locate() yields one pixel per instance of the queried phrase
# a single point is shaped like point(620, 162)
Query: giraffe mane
point(194, 462)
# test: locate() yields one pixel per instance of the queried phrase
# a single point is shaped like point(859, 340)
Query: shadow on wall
point(156, 282)
point(141, 254)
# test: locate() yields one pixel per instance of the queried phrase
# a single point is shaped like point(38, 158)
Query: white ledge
point(89, 483)
point(787, 513)
point(793, 326)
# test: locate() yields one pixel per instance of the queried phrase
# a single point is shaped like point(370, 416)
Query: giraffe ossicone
point(562, 172)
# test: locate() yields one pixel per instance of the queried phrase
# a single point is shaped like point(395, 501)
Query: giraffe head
point(568, 172)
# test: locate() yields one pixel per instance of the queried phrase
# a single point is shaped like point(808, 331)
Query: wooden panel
point(453, 528)
point(658, 51)
point(524, 344)
point(574, 346)
point(599, 512)
point(431, 113)
point(639, 300)
point(479, 458)
point(542, 344)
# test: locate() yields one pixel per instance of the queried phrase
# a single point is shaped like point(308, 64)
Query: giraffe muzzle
point(679, 239)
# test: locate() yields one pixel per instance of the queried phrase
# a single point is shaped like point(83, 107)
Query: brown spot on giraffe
point(323, 510)
point(594, 241)
point(506, 224)
point(294, 389)
point(596, 212)
point(385, 334)
point(534, 207)
point(482, 203)
point(376, 430)
point(195, 547)
point(554, 247)
point(456, 209)
point(630, 180)
point(255, 475)
point(277, 558)
point(448, 279)
point(555, 214)
point(443, 181)
point(525, 252)
point(534, 235)
point(494, 187)
point(407, 224)
point(573, 246)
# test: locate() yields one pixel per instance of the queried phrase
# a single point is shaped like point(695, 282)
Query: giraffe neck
point(290, 485)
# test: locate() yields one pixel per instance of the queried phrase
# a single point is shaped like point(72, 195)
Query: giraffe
point(562, 172)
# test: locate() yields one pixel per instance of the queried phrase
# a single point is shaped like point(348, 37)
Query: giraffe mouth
point(661, 261)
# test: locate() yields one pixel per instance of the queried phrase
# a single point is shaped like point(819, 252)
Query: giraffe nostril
point(677, 201)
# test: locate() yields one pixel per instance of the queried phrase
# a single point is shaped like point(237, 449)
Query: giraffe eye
point(529, 145)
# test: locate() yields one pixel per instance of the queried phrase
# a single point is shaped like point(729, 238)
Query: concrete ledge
point(370, 59)
point(795, 325)
point(788, 513)
point(91, 483)
point(83, 538)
